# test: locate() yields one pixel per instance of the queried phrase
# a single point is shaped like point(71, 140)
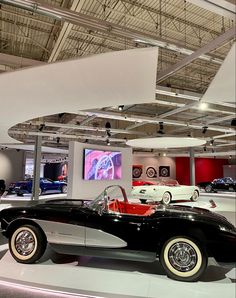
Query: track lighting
point(204, 129)
point(108, 142)
point(41, 127)
point(121, 107)
point(161, 128)
point(108, 127)
point(233, 122)
point(211, 142)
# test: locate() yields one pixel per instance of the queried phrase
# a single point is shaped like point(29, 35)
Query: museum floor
point(67, 276)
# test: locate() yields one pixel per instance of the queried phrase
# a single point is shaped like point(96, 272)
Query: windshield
point(109, 194)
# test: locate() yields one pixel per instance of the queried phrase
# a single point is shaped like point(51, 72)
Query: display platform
point(97, 277)
point(115, 278)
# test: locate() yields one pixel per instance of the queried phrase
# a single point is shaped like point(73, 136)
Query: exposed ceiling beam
point(89, 128)
point(65, 136)
point(16, 61)
point(221, 119)
point(153, 120)
point(87, 120)
point(225, 8)
point(225, 37)
point(97, 24)
point(65, 31)
point(178, 110)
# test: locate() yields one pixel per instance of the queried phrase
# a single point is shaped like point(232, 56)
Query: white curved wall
point(115, 78)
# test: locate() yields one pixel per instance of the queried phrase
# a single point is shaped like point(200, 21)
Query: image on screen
point(102, 165)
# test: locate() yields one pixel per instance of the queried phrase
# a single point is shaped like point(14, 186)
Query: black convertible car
point(110, 226)
point(221, 184)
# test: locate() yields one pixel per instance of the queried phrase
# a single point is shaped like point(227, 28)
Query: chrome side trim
point(70, 234)
point(98, 238)
point(62, 233)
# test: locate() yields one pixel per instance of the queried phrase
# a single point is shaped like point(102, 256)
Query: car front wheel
point(183, 259)
point(208, 188)
point(64, 189)
point(166, 198)
point(27, 244)
point(195, 196)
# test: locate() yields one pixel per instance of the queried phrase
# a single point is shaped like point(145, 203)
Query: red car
point(141, 183)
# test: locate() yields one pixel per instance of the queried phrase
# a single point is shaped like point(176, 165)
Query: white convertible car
point(165, 192)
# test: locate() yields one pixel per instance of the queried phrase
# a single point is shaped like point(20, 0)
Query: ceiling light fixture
point(121, 107)
point(108, 142)
point(211, 142)
point(204, 129)
point(203, 106)
point(161, 128)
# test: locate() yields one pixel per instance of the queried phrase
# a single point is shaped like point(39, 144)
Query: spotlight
point(233, 122)
point(205, 148)
point(211, 142)
point(108, 142)
point(41, 127)
point(230, 156)
point(121, 107)
point(108, 125)
point(58, 140)
point(204, 129)
point(161, 128)
point(203, 106)
point(108, 132)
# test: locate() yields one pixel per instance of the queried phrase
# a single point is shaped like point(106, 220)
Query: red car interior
point(127, 208)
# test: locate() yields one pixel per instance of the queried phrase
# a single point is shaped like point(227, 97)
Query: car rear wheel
point(183, 259)
point(64, 189)
point(166, 198)
point(195, 196)
point(27, 244)
point(208, 188)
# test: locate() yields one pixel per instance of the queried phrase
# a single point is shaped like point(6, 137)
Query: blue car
point(46, 186)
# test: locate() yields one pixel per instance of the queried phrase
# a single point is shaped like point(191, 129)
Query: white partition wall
point(78, 188)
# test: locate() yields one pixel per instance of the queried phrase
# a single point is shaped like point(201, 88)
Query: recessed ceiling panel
point(165, 142)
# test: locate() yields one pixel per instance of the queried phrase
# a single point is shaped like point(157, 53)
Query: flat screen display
point(102, 165)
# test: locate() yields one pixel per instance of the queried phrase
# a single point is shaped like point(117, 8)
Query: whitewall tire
point(166, 198)
point(183, 259)
point(195, 196)
point(27, 244)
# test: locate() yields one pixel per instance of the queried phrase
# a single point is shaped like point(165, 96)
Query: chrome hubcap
point(25, 243)
point(166, 198)
point(182, 257)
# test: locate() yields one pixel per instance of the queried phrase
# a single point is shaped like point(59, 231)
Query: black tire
point(64, 189)
point(31, 244)
point(195, 196)
point(208, 188)
point(166, 198)
point(183, 258)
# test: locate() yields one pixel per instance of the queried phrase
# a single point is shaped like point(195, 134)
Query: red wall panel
point(206, 169)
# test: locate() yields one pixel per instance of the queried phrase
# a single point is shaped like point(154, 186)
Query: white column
point(37, 163)
point(192, 167)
